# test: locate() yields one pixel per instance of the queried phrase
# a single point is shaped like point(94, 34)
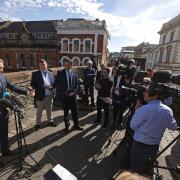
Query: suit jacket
point(6, 84)
point(38, 84)
point(61, 83)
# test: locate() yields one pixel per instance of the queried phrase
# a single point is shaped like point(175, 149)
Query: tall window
point(164, 39)
point(87, 46)
point(7, 61)
point(161, 54)
point(65, 45)
point(22, 60)
point(172, 36)
point(168, 55)
point(75, 62)
point(76, 46)
point(31, 61)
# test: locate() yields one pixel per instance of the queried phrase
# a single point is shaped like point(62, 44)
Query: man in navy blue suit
point(4, 85)
point(42, 81)
point(66, 82)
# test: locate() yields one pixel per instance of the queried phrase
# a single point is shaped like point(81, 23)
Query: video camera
point(164, 84)
point(134, 92)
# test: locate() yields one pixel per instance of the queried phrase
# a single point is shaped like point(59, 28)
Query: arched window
point(65, 44)
point(32, 63)
point(168, 55)
point(85, 60)
point(76, 61)
point(164, 39)
point(7, 61)
point(63, 59)
point(76, 45)
point(87, 45)
point(22, 61)
point(172, 36)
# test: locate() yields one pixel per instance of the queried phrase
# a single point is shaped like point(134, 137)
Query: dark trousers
point(140, 153)
point(102, 105)
point(118, 110)
point(70, 103)
point(3, 129)
point(89, 89)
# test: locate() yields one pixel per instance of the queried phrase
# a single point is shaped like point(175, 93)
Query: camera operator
point(5, 84)
point(118, 80)
point(149, 123)
point(104, 91)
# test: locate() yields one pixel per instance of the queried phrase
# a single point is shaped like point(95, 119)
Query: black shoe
point(37, 127)
point(52, 124)
point(96, 122)
point(2, 164)
point(104, 126)
point(8, 153)
point(78, 128)
point(66, 129)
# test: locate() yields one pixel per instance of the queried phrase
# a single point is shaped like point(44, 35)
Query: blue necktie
point(69, 78)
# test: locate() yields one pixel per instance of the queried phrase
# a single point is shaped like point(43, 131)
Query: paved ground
point(83, 153)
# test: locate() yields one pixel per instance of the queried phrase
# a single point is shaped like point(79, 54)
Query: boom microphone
point(162, 77)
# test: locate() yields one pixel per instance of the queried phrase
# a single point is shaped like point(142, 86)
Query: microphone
point(6, 104)
point(17, 101)
point(7, 95)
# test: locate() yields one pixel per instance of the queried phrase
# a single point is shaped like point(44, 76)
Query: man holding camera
point(149, 123)
point(4, 85)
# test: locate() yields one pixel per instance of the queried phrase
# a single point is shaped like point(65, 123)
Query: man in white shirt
point(42, 81)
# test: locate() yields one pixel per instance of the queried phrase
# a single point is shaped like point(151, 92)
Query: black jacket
point(38, 84)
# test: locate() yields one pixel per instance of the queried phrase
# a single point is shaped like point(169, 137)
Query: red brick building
point(22, 44)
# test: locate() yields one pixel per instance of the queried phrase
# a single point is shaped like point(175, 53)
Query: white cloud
point(142, 27)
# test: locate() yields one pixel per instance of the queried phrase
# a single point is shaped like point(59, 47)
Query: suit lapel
point(40, 77)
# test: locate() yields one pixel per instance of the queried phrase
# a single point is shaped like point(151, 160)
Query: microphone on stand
point(15, 102)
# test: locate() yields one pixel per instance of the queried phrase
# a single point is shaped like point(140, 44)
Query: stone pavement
point(84, 153)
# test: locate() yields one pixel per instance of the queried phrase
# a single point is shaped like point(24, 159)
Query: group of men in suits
point(43, 84)
point(66, 84)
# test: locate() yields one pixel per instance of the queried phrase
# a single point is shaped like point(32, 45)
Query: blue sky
point(130, 22)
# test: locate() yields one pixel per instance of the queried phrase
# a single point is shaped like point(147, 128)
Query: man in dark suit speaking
point(66, 82)
point(42, 81)
point(4, 85)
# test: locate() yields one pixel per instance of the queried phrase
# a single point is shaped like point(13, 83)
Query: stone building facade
point(169, 46)
point(151, 58)
point(22, 44)
point(139, 50)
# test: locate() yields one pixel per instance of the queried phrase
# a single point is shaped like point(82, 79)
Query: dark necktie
point(45, 73)
point(70, 81)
